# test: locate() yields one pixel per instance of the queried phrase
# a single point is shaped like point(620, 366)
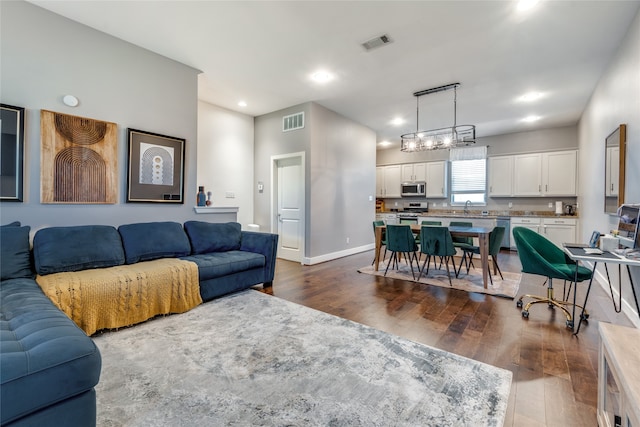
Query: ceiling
point(264, 52)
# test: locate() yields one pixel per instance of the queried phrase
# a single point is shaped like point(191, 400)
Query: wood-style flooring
point(554, 372)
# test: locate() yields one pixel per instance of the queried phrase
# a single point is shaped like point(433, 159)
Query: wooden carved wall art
point(79, 161)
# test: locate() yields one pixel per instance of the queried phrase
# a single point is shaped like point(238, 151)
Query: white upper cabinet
point(559, 171)
point(501, 176)
point(436, 177)
point(545, 174)
point(388, 181)
point(527, 175)
point(414, 172)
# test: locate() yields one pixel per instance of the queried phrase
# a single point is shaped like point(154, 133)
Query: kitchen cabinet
point(414, 172)
point(559, 230)
point(527, 222)
point(388, 181)
point(559, 170)
point(436, 177)
point(618, 376)
point(545, 174)
point(612, 171)
point(501, 176)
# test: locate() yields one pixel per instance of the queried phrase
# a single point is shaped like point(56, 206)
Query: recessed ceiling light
point(384, 143)
point(321, 76)
point(530, 119)
point(524, 5)
point(530, 97)
point(397, 121)
point(242, 104)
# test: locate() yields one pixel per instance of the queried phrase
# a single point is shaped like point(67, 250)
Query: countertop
point(490, 215)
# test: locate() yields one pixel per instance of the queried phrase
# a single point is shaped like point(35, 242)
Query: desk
point(482, 233)
point(579, 255)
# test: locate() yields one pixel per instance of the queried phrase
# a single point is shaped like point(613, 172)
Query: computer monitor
point(628, 224)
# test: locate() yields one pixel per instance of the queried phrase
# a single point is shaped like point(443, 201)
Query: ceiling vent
point(293, 122)
point(376, 42)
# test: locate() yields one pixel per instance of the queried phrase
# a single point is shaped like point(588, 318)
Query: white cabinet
point(388, 181)
point(559, 170)
point(527, 222)
point(612, 171)
point(414, 172)
point(436, 177)
point(545, 174)
point(527, 176)
point(559, 230)
point(501, 176)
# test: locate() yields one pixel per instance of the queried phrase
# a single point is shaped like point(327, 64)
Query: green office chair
point(495, 240)
point(400, 240)
point(540, 256)
point(437, 242)
point(383, 241)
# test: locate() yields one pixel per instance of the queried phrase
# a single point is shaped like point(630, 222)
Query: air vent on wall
point(376, 42)
point(293, 122)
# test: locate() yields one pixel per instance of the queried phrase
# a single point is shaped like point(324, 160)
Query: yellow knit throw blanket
point(106, 298)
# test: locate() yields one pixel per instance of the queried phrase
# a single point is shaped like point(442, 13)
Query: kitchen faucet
point(466, 207)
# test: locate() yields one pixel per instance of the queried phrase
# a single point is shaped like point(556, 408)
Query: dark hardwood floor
point(554, 372)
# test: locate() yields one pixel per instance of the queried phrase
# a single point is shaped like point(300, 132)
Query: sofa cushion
point(76, 248)
point(44, 357)
point(153, 240)
point(15, 259)
point(12, 224)
point(207, 237)
point(218, 264)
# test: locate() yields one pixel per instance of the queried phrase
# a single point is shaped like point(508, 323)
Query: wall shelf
point(215, 209)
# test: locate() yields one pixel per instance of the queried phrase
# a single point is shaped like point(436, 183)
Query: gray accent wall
point(340, 177)
point(44, 57)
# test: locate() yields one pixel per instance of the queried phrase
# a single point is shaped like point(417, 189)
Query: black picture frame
point(155, 168)
point(11, 153)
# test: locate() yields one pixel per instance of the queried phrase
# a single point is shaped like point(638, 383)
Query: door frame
point(274, 196)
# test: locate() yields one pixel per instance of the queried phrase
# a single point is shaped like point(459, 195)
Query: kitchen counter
point(491, 215)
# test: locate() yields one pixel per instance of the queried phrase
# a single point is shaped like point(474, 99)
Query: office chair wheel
point(525, 314)
point(519, 303)
point(570, 324)
point(585, 317)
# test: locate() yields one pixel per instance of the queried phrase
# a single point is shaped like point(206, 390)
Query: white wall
point(45, 56)
point(225, 158)
point(616, 100)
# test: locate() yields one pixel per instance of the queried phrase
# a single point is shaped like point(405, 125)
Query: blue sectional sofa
point(48, 365)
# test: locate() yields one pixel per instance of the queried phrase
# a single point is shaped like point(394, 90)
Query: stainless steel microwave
point(413, 189)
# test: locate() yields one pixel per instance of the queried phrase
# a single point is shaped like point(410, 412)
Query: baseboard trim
point(335, 255)
point(627, 308)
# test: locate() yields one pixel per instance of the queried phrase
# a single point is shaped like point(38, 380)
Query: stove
point(414, 209)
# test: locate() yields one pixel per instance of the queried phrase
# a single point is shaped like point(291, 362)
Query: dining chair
point(400, 240)
point(428, 222)
point(460, 242)
point(436, 241)
point(495, 241)
point(383, 240)
point(538, 255)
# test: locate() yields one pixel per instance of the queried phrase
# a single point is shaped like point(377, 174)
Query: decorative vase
point(208, 202)
point(201, 198)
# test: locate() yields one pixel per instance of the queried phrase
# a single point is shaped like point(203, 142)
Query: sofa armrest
point(265, 244)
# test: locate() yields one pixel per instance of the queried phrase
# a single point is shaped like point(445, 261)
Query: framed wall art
point(79, 160)
point(156, 168)
point(11, 153)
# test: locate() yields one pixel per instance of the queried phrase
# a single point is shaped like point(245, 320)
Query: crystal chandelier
point(443, 138)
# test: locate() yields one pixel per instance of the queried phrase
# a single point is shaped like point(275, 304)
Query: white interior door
point(290, 212)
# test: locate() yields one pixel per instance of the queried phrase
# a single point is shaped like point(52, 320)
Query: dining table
point(482, 233)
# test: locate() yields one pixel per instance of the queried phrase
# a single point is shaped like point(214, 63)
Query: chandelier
point(443, 138)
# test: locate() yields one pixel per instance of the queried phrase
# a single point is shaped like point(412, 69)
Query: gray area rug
point(472, 282)
point(254, 359)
